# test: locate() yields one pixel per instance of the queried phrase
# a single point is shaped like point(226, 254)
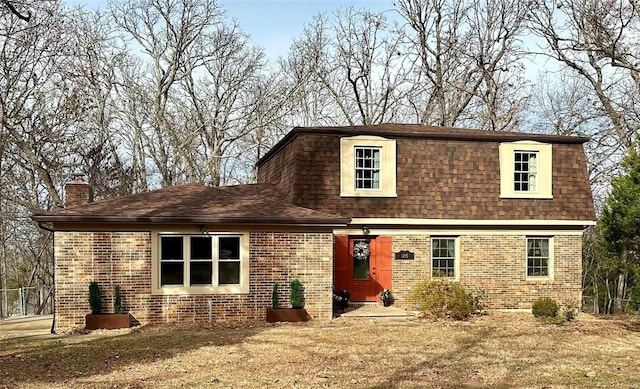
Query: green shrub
point(545, 307)
point(94, 297)
point(295, 296)
point(117, 300)
point(446, 299)
point(275, 304)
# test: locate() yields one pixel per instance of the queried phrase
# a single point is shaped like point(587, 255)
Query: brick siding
point(124, 258)
point(497, 265)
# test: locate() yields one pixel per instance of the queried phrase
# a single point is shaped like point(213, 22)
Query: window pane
point(228, 273)
point(537, 257)
point(367, 166)
point(229, 248)
point(171, 247)
point(443, 254)
point(200, 273)
point(361, 255)
point(171, 273)
point(201, 247)
point(525, 171)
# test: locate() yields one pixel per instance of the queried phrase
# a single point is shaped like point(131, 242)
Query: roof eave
point(194, 220)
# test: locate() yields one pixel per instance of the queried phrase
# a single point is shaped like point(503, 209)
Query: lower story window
point(443, 258)
point(538, 258)
point(197, 260)
point(229, 260)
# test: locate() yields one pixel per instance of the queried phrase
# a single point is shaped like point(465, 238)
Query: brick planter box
point(286, 314)
point(107, 321)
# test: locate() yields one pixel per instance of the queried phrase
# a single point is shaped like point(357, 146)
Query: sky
point(273, 24)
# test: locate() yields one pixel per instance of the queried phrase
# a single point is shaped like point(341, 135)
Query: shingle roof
point(254, 204)
point(398, 130)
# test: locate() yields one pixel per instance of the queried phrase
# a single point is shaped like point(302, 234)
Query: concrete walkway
point(376, 311)
point(26, 327)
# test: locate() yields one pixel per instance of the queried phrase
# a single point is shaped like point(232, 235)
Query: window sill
point(532, 196)
point(450, 279)
point(369, 194)
point(193, 290)
point(538, 279)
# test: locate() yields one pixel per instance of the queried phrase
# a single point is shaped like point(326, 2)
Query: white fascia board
point(468, 222)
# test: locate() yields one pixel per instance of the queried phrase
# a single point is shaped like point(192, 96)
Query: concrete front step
point(374, 310)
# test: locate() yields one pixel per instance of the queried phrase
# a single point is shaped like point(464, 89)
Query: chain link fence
point(25, 301)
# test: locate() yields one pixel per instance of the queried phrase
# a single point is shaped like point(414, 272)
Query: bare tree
point(38, 106)
point(11, 6)
point(349, 69)
point(567, 105)
point(597, 40)
point(95, 71)
point(468, 62)
point(218, 100)
point(170, 33)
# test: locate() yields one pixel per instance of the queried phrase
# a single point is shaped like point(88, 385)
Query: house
point(360, 208)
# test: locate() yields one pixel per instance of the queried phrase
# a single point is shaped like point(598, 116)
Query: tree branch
point(16, 12)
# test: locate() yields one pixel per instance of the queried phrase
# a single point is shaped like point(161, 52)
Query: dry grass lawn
point(500, 350)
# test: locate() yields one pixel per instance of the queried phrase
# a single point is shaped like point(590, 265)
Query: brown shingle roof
point(397, 130)
point(197, 204)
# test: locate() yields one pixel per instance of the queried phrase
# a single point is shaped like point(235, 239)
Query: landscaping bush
point(117, 300)
point(94, 297)
point(275, 303)
point(446, 299)
point(545, 307)
point(295, 295)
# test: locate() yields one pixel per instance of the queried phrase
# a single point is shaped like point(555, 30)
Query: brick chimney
point(78, 192)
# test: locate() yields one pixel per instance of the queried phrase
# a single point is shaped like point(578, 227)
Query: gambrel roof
point(442, 173)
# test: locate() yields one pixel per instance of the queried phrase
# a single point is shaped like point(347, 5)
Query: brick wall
point(124, 258)
point(496, 264)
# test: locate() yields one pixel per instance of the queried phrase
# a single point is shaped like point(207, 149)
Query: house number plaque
point(405, 255)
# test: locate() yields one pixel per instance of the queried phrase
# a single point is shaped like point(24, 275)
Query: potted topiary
point(96, 320)
point(295, 313)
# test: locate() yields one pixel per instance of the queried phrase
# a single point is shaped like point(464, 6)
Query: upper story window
point(526, 170)
point(200, 264)
point(367, 167)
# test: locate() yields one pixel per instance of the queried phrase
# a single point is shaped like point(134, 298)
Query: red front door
point(363, 266)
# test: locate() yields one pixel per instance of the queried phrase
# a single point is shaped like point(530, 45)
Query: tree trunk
point(609, 299)
point(620, 291)
point(596, 297)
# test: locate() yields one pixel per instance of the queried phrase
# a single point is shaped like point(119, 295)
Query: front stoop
point(373, 310)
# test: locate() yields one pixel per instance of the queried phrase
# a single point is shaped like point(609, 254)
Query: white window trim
point(544, 189)
point(550, 263)
point(158, 289)
point(387, 166)
point(456, 261)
